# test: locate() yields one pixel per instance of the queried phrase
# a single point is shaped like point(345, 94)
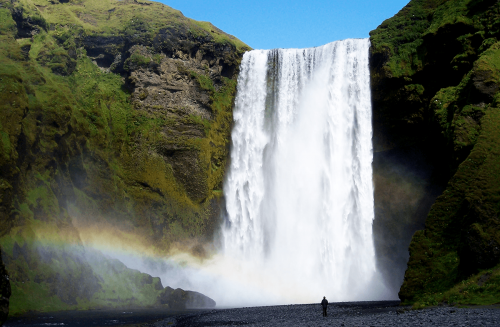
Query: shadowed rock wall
point(5, 292)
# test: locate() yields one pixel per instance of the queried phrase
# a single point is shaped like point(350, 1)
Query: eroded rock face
point(168, 87)
point(166, 84)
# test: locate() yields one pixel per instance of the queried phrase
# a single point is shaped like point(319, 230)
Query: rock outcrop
point(434, 69)
point(179, 299)
point(115, 114)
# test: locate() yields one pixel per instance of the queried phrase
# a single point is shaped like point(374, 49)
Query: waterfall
point(299, 193)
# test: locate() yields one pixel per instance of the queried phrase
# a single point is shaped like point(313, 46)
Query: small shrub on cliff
point(138, 60)
point(204, 81)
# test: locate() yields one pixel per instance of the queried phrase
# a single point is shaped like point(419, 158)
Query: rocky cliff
point(435, 73)
point(115, 121)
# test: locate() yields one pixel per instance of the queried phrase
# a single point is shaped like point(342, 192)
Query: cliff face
point(435, 81)
point(115, 120)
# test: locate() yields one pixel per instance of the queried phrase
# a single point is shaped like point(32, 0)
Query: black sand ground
point(339, 314)
point(94, 318)
point(386, 313)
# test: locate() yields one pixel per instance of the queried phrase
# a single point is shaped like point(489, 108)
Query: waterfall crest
point(299, 193)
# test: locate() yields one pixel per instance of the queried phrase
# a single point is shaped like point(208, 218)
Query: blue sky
point(267, 24)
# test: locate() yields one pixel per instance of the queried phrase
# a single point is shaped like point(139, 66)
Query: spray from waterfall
point(299, 194)
point(299, 190)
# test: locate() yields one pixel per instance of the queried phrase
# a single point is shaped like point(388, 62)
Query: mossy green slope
point(435, 78)
point(427, 46)
point(85, 141)
point(58, 275)
point(482, 288)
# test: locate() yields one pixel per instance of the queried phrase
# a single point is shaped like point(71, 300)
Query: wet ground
point(94, 318)
point(349, 314)
point(380, 314)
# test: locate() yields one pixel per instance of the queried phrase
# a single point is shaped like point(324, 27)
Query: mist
point(299, 190)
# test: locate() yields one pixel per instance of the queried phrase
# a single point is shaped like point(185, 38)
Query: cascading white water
point(299, 192)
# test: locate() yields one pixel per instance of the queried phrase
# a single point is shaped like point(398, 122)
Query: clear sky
point(267, 24)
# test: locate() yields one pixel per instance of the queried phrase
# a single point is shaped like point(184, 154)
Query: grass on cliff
point(437, 259)
point(95, 106)
point(400, 38)
point(459, 120)
point(489, 64)
point(89, 155)
point(214, 147)
point(482, 288)
point(220, 36)
point(98, 17)
point(104, 103)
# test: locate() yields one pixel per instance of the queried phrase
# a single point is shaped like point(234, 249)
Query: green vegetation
point(109, 18)
point(404, 37)
point(218, 35)
point(80, 145)
point(50, 274)
point(482, 288)
point(204, 81)
point(139, 60)
point(214, 147)
point(459, 121)
point(400, 36)
point(436, 77)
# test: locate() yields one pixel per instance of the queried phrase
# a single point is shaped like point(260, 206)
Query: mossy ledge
point(114, 114)
point(435, 76)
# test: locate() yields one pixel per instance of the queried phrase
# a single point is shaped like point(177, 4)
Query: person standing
point(324, 304)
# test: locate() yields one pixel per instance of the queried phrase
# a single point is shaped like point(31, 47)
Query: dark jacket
point(324, 303)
